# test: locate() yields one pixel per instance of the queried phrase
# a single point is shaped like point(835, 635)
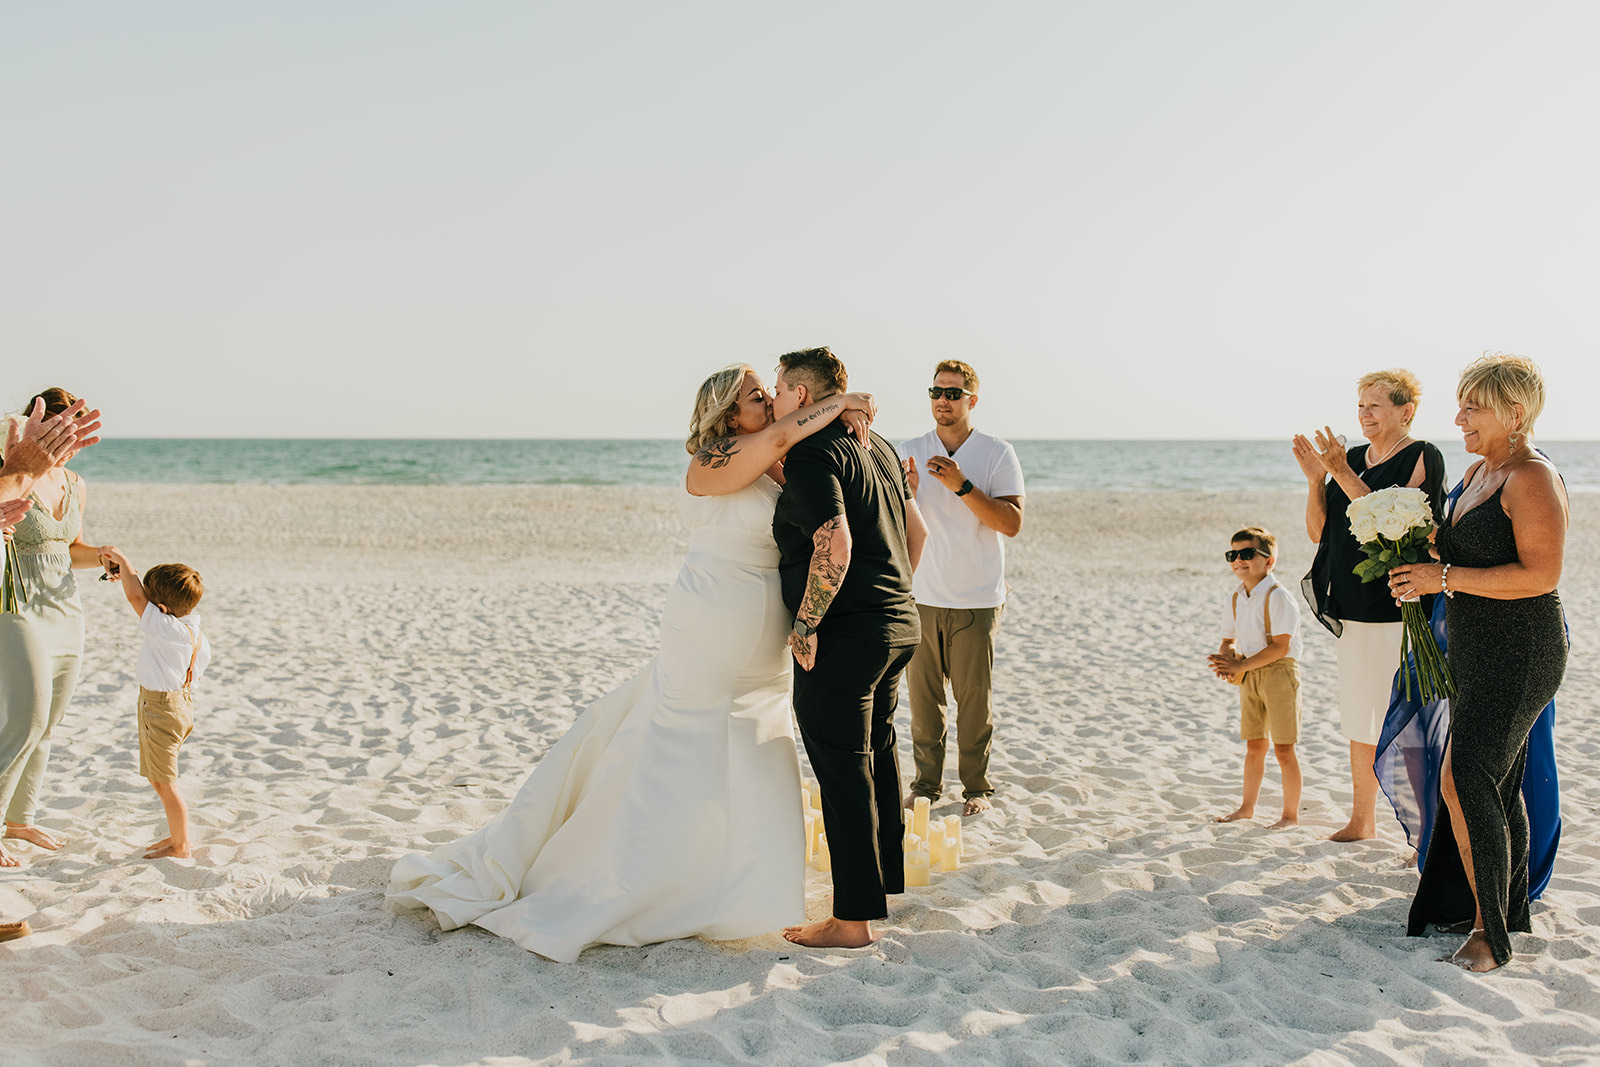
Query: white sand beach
point(389, 662)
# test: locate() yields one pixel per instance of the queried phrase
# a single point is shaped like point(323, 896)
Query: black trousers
point(845, 707)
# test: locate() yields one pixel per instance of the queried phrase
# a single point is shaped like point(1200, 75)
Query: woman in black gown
point(1500, 554)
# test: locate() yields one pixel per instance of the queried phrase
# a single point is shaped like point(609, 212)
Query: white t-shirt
point(168, 644)
point(1249, 631)
point(964, 563)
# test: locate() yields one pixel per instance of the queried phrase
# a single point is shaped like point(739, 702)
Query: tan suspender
point(194, 657)
point(1266, 612)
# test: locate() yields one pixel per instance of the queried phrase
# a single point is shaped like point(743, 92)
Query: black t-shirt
point(830, 473)
point(1331, 587)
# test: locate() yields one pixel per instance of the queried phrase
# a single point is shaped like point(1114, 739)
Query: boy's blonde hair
point(175, 586)
point(1499, 381)
point(1263, 539)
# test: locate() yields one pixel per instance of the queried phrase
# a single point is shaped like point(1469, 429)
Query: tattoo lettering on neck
point(717, 454)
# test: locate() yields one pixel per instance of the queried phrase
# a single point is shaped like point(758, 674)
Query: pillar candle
point(950, 855)
point(909, 844)
point(811, 838)
point(952, 828)
point(919, 817)
point(805, 798)
point(916, 868)
point(824, 860)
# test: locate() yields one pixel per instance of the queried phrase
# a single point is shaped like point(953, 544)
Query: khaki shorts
point(1269, 699)
point(165, 719)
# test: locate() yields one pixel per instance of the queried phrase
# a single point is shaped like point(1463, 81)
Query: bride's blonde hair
point(715, 405)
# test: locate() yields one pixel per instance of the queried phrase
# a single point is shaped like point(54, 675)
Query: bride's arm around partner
point(734, 439)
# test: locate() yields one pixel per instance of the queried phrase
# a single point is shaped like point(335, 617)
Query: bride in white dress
point(671, 808)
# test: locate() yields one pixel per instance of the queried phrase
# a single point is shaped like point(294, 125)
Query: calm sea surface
point(1141, 466)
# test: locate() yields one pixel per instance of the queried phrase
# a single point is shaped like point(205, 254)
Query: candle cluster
point(926, 842)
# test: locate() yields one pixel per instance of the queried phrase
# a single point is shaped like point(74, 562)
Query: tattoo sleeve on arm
point(828, 566)
point(717, 454)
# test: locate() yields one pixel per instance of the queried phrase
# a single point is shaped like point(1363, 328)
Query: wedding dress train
point(671, 808)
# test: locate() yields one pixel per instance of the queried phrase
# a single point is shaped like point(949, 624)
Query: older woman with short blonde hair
point(1500, 553)
point(1363, 616)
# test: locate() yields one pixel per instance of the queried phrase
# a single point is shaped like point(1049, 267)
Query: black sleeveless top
point(1331, 587)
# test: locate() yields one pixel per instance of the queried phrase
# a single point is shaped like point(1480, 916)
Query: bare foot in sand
point(8, 860)
point(1285, 822)
point(832, 933)
point(1475, 956)
point(32, 834)
point(169, 849)
point(1236, 815)
point(976, 806)
point(1353, 832)
point(163, 843)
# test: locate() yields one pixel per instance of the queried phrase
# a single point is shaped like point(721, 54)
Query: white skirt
point(1369, 655)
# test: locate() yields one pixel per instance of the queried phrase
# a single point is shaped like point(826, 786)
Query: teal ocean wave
point(1135, 466)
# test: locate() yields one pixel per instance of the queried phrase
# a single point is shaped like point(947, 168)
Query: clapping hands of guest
point(1326, 456)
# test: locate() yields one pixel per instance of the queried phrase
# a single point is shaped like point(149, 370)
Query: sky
point(485, 219)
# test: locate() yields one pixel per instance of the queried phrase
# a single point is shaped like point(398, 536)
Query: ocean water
point(1137, 466)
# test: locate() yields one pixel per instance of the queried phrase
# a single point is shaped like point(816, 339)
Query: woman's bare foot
point(976, 806)
point(832, 933)
point(1475, 956)
point(1236, 814)
point(8, 860)
point(33, 835)
point(1354, 832)
point(163, 843)
point(1285, 822)
point(169, 849)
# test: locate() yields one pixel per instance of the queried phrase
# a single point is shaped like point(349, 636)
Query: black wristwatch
point(966, 487)
point(803, 628)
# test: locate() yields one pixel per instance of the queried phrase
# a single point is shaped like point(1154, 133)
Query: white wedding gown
point(671, 808)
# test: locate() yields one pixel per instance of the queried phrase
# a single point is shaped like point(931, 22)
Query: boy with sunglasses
point(1260, 653)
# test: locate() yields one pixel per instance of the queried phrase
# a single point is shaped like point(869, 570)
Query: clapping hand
point(1326, 456)
point(947, 470)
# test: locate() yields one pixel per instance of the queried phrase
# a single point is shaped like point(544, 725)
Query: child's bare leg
point(177, 822)
point(1255, 768)
point(1289, 769)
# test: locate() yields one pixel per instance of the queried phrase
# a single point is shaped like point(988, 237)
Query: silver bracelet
point(1444, 581)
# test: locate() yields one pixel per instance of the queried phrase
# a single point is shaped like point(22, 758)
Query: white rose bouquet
point(1393, 527)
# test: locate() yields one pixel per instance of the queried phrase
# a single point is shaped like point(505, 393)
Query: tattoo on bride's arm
point(822, 409)
point(717, 454)
point(827, 568)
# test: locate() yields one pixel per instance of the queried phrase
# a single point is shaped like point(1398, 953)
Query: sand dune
point(389, 663)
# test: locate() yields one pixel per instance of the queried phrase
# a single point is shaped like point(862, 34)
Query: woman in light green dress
point(42, 642)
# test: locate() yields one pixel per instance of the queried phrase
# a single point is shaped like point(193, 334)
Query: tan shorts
point(165, 719)
point(1269, 700)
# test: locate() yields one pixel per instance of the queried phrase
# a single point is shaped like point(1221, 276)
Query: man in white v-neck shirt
point(968, 485)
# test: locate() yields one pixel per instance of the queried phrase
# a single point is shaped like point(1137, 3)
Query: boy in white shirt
point(173, 657)
point(1260, 653)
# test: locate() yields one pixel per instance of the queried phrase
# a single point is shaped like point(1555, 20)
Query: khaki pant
point(958, 644)
point(165, 720)
point(1269, 699)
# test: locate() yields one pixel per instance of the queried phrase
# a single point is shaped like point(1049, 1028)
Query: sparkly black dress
point(1507, 658)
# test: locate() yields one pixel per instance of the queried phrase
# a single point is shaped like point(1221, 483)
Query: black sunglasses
point(1246, 554)
point(952, 393)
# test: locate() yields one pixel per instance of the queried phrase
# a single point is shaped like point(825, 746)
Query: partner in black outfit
point(848, 536)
